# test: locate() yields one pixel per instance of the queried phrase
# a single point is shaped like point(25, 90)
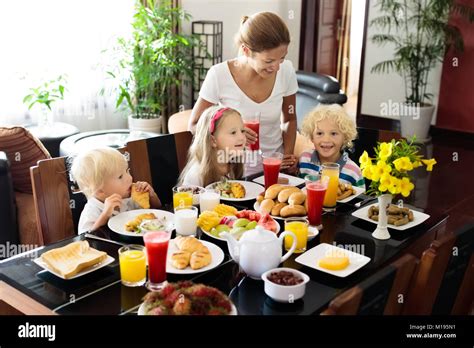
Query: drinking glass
point(185, 220)
point(132, 260)
point(181, 199)
point(252, 121)
point(271, 167)
point(299, 226)
point(332, 171)
point(315, 191)
point(156, 244)
point(209, 199)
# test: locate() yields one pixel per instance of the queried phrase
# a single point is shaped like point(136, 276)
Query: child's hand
point(251, 136)
point(110, 203)
point(289, 163)
point(143, 186)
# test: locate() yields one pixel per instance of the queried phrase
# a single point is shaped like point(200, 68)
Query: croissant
point(180, 259)
point(189, 244)
point(201, 258)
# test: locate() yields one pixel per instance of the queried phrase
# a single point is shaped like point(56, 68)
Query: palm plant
point(154, 62)
point(421, 35)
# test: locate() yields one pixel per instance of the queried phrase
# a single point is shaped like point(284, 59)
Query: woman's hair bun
point(244, 19)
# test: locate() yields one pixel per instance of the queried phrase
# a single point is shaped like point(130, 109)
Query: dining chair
point(159, 161)
point(444, 279)
point(381, 293)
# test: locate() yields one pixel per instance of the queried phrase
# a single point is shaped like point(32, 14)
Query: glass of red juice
point(315, 190)
point(252, 121)
point(271, 167)
point(156, 244)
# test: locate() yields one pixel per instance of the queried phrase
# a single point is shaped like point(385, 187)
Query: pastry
point(283, 181)
point(395, 215)
point(344, 191)
point(200, 259)
point(132, 226)
point(285, 193)
point(292, 210)
point(277, 208)
point(238, 190)
point(296, 198)
point(266, 206)
point(189, 244)
point(273, 191)
point(180, 259)
point(141, 198)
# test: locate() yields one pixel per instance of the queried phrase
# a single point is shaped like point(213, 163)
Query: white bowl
point(285, 293)
point(195, 195)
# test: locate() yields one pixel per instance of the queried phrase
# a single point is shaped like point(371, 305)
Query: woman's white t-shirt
point(219, 87)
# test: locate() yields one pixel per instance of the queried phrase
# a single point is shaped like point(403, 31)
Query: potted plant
point(45, 95)
point(389, 175)
point(152, 64)
point(421, 36)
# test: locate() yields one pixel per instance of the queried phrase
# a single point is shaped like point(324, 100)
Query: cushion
point(23, 151)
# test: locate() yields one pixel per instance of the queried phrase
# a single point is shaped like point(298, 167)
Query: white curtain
point(41, 39)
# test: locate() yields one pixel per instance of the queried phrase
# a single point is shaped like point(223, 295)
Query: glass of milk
point(185, 220)
point(209, 199)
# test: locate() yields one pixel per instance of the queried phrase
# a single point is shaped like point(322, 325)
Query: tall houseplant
point(153, 63)
point(421, 35)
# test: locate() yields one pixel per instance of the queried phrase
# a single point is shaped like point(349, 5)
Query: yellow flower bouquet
point(389, 169)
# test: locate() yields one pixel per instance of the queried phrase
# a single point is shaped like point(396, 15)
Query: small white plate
point(256, 207)
point(312, 232)
point(418, 218)
point(93, 268)
point(117, 223)
point(311, 259)
point(252, 190)
point(141, 309)
point(292, 180)
point(216, 253)
point(358, 190)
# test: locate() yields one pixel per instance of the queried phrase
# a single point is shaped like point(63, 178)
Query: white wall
point(355, 50)
point(379, 88)
point(230, 13)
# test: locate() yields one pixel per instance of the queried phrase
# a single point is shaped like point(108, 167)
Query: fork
point(367, 200)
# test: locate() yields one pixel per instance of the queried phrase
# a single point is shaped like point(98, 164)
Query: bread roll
point(260, 198)
point(189, 244)
point(266, 206)
point(273, 191)
point(277, 208)
point(297, 198)
point(293, 210)
point(200, 259)
point(285, 194)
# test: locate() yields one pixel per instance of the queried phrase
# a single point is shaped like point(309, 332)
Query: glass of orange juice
point(299, 226)
point(132, 260)
point(332, 171)
point(181, 199)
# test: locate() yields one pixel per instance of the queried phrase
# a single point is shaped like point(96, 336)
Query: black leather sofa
point(9, 228)
point(315, 89)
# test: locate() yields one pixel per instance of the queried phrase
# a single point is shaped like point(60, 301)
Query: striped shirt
point(350, 172)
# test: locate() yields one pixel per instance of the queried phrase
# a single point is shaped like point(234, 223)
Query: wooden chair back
point(444, 279)
point(382, 293)
point(159, 161)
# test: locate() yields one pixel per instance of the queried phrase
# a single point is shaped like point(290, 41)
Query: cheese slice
point(334, 263)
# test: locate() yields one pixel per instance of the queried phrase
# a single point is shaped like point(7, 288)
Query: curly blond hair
point(334, 112)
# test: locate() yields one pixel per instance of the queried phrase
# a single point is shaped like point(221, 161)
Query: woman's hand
point(289, 163)
point(251, 136)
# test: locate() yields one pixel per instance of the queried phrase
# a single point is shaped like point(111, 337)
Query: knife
point(92, 236)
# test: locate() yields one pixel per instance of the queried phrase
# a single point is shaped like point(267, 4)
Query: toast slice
point(73, 258)
point(142, 198)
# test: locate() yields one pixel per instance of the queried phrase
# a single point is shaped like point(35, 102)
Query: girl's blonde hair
point(91, 169)
point(262, 31)
point(334, 112)
point(204, 154)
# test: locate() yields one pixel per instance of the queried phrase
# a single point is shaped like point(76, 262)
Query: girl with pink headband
point(218, 148)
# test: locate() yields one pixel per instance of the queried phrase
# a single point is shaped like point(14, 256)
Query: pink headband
point(216, 116)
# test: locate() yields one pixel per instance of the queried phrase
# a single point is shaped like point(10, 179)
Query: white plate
point(252, 190)
point(216, 253)
point(141, 309)
point(311, 259)
point(117, 223)
point(93, 268)
point(358, 190)
point(219, 238)
point(292, 180)
point(256, 207)
point(418, 218)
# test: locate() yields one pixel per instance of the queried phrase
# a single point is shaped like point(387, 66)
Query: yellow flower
point(364, 160)
point(416, 164)
point(429, 164)
point(385, 181)
point(385, 151)
point(406, 186)
point(403, 164)
point(367, 171)
point(379, 169)
point(394, 187)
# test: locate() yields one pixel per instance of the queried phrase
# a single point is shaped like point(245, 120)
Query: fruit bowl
point(285, 293)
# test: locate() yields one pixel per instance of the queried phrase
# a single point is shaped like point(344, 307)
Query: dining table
point(35, 290)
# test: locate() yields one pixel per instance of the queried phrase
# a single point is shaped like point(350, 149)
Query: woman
point(260, 81)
